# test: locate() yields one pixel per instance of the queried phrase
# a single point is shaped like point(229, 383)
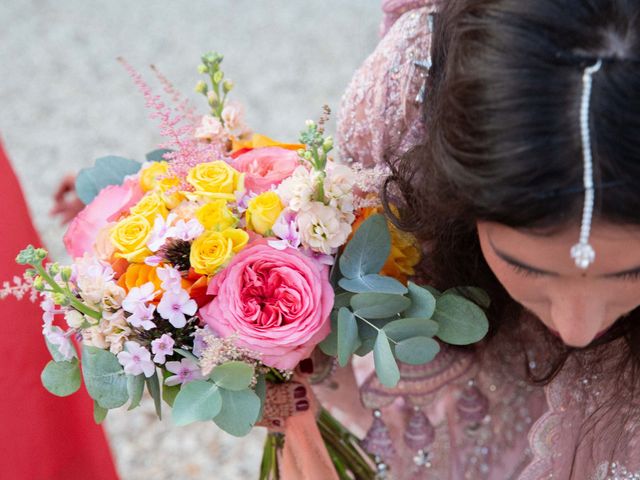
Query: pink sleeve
point(380, 113)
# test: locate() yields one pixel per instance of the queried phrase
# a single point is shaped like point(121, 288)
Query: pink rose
point(266, 167)
point(106, 207)
point(277, 302)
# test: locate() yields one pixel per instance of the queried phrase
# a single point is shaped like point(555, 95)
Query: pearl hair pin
point(582, 252)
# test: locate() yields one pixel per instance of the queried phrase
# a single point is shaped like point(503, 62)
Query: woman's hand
point(282, 401)
point(66, 202)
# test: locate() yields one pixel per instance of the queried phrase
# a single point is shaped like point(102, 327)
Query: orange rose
point(258, 141)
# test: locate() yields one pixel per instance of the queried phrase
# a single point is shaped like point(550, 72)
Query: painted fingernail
point(302, 406)
point(276, 423)
point(299, 392)
point(306, 366)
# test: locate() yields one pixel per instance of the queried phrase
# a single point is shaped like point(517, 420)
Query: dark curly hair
point(503, 142)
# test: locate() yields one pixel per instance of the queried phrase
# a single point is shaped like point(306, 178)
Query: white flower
point(296, 192)
point(139, 297)
point(142, 317)
point(74, 318)
point(136, 360)
point(92, 277)
point(171, 278)
point(162, 347)
point(113, 296)
point(322, 228)
point(161, 232)
point(116, 331)
point(338, 187)
point(210, 128)
point(232, 115)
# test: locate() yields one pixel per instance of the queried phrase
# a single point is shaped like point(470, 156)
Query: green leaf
point(423, 303)
point(348, 341)
point(404, 328)
point(197, 401)
point(386, 366)
point(378, 305)
point(153, 387)
point(99, 413)
point(61, 378)
point(365, 347)
point(55, 351)
point(417, 350)
point(156, 155)
point(239, 413)
point(460, 321)
point(233, 375)
point(373, 283)
point(475, 294)
point(342, 300)
point(261, 392)
point(135, 388)
point(330, 344)
point(186, 354)
point(107, 171)
point(368, 250)
point(169, 392)
point(104, 377)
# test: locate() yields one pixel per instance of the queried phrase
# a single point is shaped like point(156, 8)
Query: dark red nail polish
point(276, 423)
point(302, 406)
point(306, 366)
point(299, 392)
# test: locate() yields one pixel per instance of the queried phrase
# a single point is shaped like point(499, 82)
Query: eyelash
point(633, 276)
point(525, 271)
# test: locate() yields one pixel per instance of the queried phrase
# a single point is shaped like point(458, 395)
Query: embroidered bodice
point(469, 414)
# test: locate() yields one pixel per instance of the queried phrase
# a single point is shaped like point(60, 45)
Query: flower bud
point(38, 283)
point(60, 299)
point(201, 87)
point(74, 318)
point(54, 269)
point(212, 97)
point(218, 76)
point(328, 144)
point(309, 123)
point(65, 273)
point(202, 68)
point(227, 86)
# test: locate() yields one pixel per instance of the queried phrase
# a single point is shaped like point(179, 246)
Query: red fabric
point(42, 437)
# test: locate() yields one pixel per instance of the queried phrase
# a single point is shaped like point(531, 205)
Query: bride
point(510, 129)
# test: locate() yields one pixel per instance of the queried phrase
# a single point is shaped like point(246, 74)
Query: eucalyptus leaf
point(378, 305)
point(157, 155)
point(368, 250)
point(329, 345)
point(261, 392)
point(475, 294)
point(373, 283)
point(239, 413)
point(348, 341)
point(99, 413)
point(169, 392)
point(104, 377)
point(61, 378)
point(135, 388)
point(233, 375)
point(55, 351)
point(417, 350)
point(404, 328)
point(423, 303)
point(342, 300)
point(186, 354)
point(386, 366)
point(366, 347)
point(197, 401)
point(107, 171)
point(153, 387)
point(460, 321)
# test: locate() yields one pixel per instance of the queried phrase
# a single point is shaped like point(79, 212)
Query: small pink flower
point(286, 229)
point(175, 305)
point(266, 167)
point(210, 129)
point(185, 371)
point(162, 347)
point(276, 302)
point(136, 360)
point(113, 200)
point(142, 316)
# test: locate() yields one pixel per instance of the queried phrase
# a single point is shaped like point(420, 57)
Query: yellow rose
point(129, 236)
point(169, 188)
point(216, 216)
point(150, 206)
point(212, 250)
point(215, 180)
point(263, 211)
point(151, 175)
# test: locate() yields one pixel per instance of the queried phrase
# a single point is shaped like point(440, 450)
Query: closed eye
point(528, 272)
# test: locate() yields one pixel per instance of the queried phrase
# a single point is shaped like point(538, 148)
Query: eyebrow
point(513, 261)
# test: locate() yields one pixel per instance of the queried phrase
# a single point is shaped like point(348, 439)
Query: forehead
point(617, 247)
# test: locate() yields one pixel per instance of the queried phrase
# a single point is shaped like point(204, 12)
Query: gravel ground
point(66, 101)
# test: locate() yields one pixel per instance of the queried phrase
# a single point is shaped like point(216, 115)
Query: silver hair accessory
point(582, 252)
point(425, 64)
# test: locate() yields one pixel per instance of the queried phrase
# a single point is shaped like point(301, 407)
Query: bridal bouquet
point(209, 272)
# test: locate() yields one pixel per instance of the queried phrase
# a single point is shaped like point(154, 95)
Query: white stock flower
point(232, 115)
point(322, 228)
point(210, 128)
point(296, 192)
point(338, 187)
point(74, 318)
point(113, 296)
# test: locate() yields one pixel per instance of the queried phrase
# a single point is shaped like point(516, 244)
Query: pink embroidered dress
point(470, 414)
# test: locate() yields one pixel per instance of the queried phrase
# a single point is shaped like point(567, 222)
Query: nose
point(577, 319)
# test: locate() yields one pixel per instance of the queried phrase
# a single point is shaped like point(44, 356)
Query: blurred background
point(66, 101)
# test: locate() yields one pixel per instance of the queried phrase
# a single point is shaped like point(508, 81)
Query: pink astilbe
point(176, 127)
point(182, 104)
point(18, 288)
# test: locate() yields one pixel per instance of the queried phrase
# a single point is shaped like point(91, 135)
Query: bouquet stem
point(349, 459)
